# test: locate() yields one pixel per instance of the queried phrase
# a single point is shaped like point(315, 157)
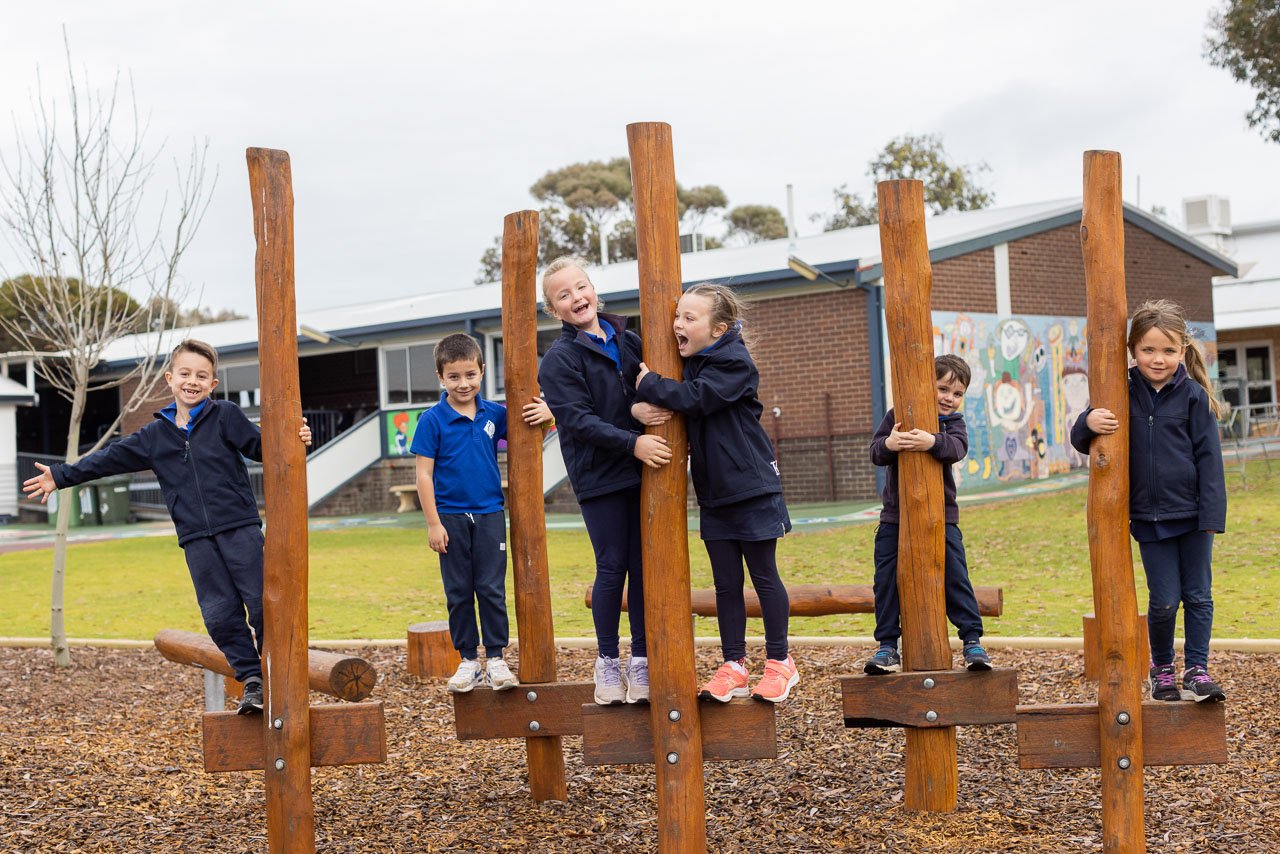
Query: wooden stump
point(431, 652)
point(1093, 645)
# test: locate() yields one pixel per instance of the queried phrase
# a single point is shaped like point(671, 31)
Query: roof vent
point(692, 242)
point(1207, 215)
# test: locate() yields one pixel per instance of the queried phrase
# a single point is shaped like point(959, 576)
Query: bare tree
point(99, 250)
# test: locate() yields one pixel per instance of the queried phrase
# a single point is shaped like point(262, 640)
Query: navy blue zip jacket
point(732, 457)
point(205, 484)
point(1175, 459)
point(950, 444)
point(591, 401)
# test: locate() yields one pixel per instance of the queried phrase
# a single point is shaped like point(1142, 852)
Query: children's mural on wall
point(397, 432)
point(1030, 381)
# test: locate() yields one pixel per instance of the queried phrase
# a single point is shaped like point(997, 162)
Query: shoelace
point(640, 673)
point(611, 676)
point(1166, 679)
point(1200, 678)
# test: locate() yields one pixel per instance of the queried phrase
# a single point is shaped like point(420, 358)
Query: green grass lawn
point(372, 581)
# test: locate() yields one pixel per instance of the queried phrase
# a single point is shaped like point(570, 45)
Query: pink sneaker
point(725, 685)
point(778, 680)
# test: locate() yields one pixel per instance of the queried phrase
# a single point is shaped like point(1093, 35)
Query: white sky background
point(414, 128)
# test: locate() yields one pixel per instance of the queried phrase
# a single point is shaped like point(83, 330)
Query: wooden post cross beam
point(293, 734)
point(1056, 736)
point(541, 710)
point(940, 698)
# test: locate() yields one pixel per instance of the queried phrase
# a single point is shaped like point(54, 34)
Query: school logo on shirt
point(489, 429)
point(774, 463)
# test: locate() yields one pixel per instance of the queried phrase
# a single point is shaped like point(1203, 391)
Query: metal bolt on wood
point(279, 764)
point(1123, 719)
point(532, 696)
point(278, 724)
point(674, 714)
point(929, 683)
point(673, 758)
point(1124, 762)
point(931, 716)
point(534, 726)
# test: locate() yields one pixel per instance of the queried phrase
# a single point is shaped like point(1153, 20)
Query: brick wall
point(145, 413)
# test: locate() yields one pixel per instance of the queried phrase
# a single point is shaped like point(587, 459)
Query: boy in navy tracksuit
point(736, 477)
point(456, 442)
point(196, 448)
point(948, 446)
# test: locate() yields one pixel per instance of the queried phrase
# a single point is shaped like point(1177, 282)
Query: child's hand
point(42, 484)
point(438, 538)
point(653, 451)
point(536, 413)
point(922, 440)
point(650, 415)
point(1102, 421)
point(305, 432)
point(644, 369)
point(894, 442)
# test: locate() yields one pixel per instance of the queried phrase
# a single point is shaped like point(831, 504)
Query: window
point(409, 375)
point(242, 385)
point(1246, 376)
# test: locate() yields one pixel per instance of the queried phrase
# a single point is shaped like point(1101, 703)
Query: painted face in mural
point(1014, 336)
point(1158, 357)
point(1075, 390)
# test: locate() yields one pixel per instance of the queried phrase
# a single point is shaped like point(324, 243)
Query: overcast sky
point(414, 128)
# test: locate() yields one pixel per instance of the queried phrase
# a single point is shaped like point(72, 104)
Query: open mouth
point(682, 341)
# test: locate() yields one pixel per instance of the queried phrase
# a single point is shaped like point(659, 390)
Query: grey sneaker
point(638, 680)
point(251, 702)
point(1199, 686)
point(610, 689)
point(886, 660)
point(468, 676)
point(499, 675)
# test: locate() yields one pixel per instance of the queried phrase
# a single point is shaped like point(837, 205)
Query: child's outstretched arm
point(120, 457)
point(42, 484)
point(716, 387)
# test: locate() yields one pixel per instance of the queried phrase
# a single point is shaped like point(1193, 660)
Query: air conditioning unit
point(1207, 215)
point(693, 242)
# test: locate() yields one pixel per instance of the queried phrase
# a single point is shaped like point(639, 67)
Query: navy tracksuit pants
point(226, 570)
point(613, 524)
point(962, 604)
point(474, 571)
point(1179, 569)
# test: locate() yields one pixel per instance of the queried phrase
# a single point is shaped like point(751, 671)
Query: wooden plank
point(290, 813)
point(524, 475)
point(346, 677)
point(341, 734)
point(1093, 644)
point(556, 707)
point(931, 768)
point(673, 681)
point(1110, 554)
point(820, 600)
point(623, 735)
point(956, 698)
point(1067, 736)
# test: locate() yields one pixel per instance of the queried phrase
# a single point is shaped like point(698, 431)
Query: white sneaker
point(468, 676)
point(610, 688)
point(499, 675)
point(638, 680)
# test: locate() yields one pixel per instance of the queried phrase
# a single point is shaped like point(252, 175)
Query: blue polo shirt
point(170, 413)
point(466, 474)
point(609, 343)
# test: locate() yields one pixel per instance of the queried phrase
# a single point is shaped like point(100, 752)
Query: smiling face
point(695, 330)
point(950, 394)
point(191, 379)
point(461, 379)
point(572, 298)
point(1158, 357)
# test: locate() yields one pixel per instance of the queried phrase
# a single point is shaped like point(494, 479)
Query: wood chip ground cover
point(106, 757)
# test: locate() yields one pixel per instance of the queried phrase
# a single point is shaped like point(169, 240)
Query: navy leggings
point(613, 524)
point(1179, 569)
point(226, 570)
point(726, 569)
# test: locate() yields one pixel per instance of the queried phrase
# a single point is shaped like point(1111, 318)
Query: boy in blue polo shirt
point(456, 442)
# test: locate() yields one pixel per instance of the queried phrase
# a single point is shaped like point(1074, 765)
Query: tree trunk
point(66, 506)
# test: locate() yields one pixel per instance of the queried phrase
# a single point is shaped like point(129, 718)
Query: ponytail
point(1199, 371)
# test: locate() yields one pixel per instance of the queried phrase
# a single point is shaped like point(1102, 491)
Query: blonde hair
point(1170, 319)
point(555, 267)
point(726, 306)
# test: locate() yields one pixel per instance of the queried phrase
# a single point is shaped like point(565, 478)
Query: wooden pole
point(673, 682)
point(287, 753)
point(1114, 599)
point(524, 476)
point(931, 775)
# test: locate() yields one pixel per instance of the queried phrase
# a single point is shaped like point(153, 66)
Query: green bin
point(86, 503)
point(113, 499)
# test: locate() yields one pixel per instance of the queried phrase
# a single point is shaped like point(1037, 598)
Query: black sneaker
point(251, 702)
point(886, 660)
point(1164, 683)
point(1198, 686)
point(976, 658)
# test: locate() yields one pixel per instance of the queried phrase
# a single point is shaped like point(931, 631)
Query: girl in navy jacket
point(1177, 492)
point(735, 474)
point(586, 379)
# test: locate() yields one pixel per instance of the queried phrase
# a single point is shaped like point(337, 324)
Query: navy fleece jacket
point(950, 444)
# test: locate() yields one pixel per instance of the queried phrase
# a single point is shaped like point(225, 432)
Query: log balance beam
point(820, 600)
point(343, 676)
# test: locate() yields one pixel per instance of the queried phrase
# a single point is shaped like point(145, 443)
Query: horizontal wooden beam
point(528, 711)
point(954, 697)
point(1066, 736)
point(820, 600)
point(621, 735)
point(341, 734)
point(343, 676)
